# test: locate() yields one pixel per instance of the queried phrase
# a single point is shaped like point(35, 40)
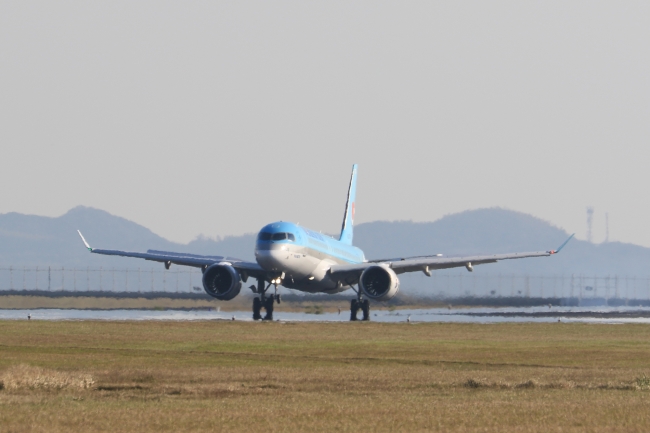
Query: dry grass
point(98, 303)
point(240, 303)
point(235, 376)
point(24, 376)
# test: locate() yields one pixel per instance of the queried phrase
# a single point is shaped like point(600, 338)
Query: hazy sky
point(217, 117)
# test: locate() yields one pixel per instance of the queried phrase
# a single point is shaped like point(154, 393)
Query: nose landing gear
point(264, 301)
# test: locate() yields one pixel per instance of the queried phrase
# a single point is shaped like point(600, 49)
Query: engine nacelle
point(379, 283)
point(222, 281)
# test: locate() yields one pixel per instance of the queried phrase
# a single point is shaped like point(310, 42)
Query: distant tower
point(606, 227)
point(590, 219)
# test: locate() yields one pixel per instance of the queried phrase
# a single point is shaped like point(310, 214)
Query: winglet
point(562, 246)
point(84, 241)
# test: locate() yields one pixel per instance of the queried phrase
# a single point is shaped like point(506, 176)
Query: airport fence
point(72, 279)
point(574, 289)
point(442, 284)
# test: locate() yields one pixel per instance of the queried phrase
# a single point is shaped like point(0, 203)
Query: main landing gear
point(264, 301)
point(359, 304)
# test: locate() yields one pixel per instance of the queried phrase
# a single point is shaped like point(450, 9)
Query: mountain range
point(29, 240)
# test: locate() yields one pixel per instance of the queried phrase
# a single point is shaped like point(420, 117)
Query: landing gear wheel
point(365, 307)
point(257, 307)
point(277, 298)
point(268, 306)
point(354, 307)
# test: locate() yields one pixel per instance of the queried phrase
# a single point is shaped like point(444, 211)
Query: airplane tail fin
point(348, 217)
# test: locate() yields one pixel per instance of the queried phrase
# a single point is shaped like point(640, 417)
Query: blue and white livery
point(296, 257)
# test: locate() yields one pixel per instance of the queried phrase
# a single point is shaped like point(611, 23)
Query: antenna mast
point(606, 226)
point(590, 219)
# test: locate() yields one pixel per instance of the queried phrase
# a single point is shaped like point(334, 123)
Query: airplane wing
point(184, 259)
point(427, 264)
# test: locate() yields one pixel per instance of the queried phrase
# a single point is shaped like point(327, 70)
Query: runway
point(461, 315)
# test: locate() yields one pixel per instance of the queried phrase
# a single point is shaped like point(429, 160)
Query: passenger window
point(291, 237)
point(263, 236)
point(279, 236)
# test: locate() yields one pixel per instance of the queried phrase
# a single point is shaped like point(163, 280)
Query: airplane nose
point(272, 257)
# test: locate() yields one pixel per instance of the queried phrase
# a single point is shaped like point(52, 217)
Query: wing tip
point(84, 241)
point(562, 246)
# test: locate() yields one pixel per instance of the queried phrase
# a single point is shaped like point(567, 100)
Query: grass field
point(99, 303)
point(240, 303)
point(244, 376)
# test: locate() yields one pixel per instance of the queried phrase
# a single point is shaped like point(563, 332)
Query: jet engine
point(222, 281)
point(379, 283)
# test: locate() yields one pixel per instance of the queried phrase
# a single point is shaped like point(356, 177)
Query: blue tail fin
point(348, 217)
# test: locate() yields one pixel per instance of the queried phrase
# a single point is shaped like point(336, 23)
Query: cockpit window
point(265, 236)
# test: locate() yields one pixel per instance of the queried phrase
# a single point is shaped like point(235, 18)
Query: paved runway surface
point(465, 315)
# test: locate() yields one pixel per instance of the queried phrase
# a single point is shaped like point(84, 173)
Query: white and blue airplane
point(295, 257)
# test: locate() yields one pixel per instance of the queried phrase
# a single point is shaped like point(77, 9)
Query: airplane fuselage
point(304, 256)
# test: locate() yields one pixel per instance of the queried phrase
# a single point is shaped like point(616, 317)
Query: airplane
point(298, 258)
